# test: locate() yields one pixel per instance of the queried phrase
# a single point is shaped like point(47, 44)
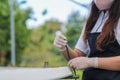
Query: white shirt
point(97, 28)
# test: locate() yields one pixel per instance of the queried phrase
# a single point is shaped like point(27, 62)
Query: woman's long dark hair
point(107, 35)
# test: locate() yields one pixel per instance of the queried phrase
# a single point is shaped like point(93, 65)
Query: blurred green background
point(35, 46)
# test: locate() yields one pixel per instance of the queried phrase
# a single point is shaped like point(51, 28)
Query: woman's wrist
point(62, 48)
point(93, 62)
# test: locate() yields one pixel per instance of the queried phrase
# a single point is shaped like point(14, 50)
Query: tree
point(41, 47)
point(74, 27)
point(21, 31)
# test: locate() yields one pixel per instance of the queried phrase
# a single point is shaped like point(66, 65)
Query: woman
point(98, 48)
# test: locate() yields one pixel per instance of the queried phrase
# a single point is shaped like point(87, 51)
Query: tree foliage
point(74, 27)
point(35, 46)
point(21, 31)
point(41, 47)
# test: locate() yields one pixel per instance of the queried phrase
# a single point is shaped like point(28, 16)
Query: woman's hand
point(83, 62)
point(60, 41)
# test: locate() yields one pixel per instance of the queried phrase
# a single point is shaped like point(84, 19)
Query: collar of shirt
point(100, 22)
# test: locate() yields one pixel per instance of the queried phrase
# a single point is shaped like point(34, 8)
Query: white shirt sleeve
point(81, 44)
point(117, 32)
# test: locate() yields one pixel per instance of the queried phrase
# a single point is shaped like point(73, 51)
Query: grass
point(79, 73)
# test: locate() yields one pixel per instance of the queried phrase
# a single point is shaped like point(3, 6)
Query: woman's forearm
point(72, 53)
point(111, 63)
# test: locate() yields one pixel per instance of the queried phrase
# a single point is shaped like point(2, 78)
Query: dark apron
point(113, 49)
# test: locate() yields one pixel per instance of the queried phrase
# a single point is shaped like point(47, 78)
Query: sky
point(56, 9)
